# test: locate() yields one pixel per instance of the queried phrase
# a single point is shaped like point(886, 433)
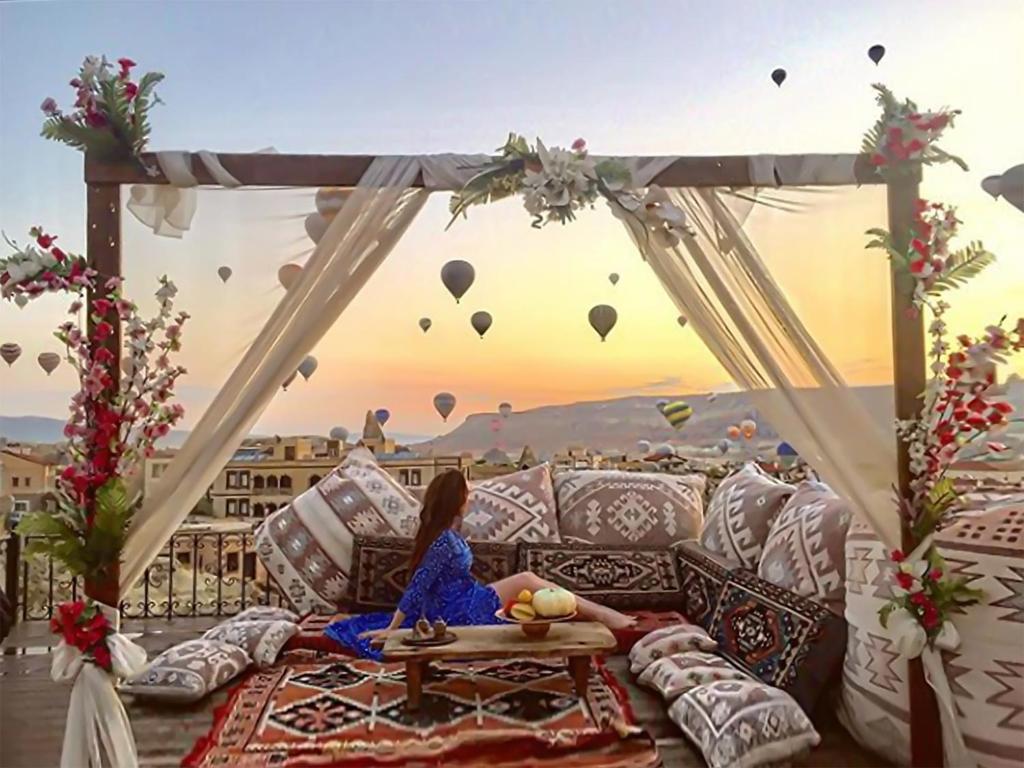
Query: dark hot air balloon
point(1009, 186)
point(308, 366)
point(481, 321)
point(876, 52)
point(779, 76)
point(224, 273)
point(382, 415)
point(444, 404)
point(613, 278)
point(425, 324)
point(602, 319)
point(339, 433)
point(48, 361)
point(682, 321)
point(457, 277)
point(505, 409)
point(10, 352)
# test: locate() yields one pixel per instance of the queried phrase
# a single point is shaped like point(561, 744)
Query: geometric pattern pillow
point(743, 724)
point(667, 642)
point(676, 674)
point(188, 671)
point(262, 640)
point(701, 578)
point(515, 507)
point(629, 508)
point(806, 548)
point(623, 577)
point(306, 547)
point(741, 513)
point(380, 569)
point(785, 640)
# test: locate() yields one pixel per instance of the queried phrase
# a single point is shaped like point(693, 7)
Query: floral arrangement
point(556, 183)
point(111, 111)
point(82, 625)
point(905, 135)
point(113, 426)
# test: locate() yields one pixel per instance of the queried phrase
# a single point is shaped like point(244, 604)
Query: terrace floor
point(33, 708)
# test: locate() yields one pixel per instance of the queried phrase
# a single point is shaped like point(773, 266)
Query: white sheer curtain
point(358, 239)
point(719, 282)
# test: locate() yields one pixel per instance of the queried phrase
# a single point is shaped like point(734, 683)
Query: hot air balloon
point(329, 200)
point(787, 454)
point(289, 380)
point(505, 409)
point(876, 52)
point(425, 324)
point(10, 352)
point(749, 428)
point(682, 321)
point(613, 278)
point(308, 366)
point(289, 275)
point(1009, 186)
point(723, 446)
point(779, 76)
point(339, 433)
point(382, 415)
point(444, 404)
point(495, 425)
point(733, 432)
point(643, 446)
point(602, 319)
point(316, 225)
point(677, 413)
point(48, 361)
point(481, 321)
point(224, 273)
point(663, 451)
point(457, 277)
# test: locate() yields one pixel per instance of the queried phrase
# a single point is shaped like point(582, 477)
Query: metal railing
point(200, 572)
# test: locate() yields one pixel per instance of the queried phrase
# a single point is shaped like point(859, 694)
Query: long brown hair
point(441, 505)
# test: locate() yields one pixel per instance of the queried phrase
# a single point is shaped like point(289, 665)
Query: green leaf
point(884, 612)
point(963, 265)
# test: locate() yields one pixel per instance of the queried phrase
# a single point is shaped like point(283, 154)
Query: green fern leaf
point(962, 266)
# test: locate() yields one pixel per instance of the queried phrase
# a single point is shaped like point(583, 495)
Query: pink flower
point(579, 145)
point(131, 90)
point(94, 119)
point(49, 106)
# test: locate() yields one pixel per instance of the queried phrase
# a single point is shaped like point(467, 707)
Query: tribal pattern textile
point(806, 548)
point(743, 724)
point(702, 576)
point(741, 513)
point(261, 640)
point(188, 671)
point(785, 640)
point(668, 641)
point(629, 508)
point(674, 675)
point(515, 507)
point(353, 712)
point(617, 576)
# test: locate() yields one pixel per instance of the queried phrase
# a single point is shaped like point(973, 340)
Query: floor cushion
point(261, 640)
point(806, 548)
point(743, 723)
point(667, 641)
point(628, 508)
point(622, 577)
point(702, 575)
point(380, 568)
point(674, 675)
point(741, 513)
point(516, 507)
point(646, 622)
point(306, 547)
point(783, 639)
point(188, 671)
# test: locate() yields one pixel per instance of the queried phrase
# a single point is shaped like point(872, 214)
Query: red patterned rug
point(310, 711)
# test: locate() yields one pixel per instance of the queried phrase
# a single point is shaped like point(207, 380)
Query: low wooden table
point(577, 641)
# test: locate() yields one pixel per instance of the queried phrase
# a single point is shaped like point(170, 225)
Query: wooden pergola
point(104, 180)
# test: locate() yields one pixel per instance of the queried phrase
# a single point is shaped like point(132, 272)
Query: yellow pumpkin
point(551, 603)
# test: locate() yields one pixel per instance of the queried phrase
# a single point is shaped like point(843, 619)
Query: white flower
point(908, 635)
point(91, 67)
point(31, 268)
point(15, 272)
point(948, 638)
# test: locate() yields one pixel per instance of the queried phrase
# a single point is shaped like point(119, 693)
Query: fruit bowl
point(534, 628)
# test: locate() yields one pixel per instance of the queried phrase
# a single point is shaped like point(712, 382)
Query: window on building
point(15, 481)
point(28, 481)
point(232, 480)
point(257, 483)
point(313, 480)
point(231, 562)
point(286, 483)
point(156, 470)
point(415, 477)
point(20, 505)
point(403, 476)
point(243, 507)
point(243, 479)
point(249, 565)
point(289, 453)
point(272, 481)
point(257, 510)
point(231, 507)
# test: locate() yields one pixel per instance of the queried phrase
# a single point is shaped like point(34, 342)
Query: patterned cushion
point(515, 507)
point(788, 641)
point(307, 546)
point(262, 640)
point(265, 613)
point(380, 568)
point(806, 548)
point(617, 576)
point(676, 674)
point(702, 575)
point(668, 641)
point(743, 724)
point(188, 671)
point(634, 508)
point(741, 514)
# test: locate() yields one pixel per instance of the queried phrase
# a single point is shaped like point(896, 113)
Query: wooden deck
point(33, 709)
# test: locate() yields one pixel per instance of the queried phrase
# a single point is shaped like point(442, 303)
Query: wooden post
point(103, 250)
point(909, 378)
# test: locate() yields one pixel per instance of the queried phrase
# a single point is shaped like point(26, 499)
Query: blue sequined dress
point(441, 587)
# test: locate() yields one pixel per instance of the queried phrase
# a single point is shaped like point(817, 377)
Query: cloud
point(674, 383)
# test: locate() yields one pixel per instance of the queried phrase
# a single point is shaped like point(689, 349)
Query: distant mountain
point(42, 429)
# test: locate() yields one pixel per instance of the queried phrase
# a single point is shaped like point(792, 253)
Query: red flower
point(1002, 407)
point(935, 574)
point(916, 145)
point(917, 266)
point(95, 119)
point(102, 655)
point(44, 240)
point(131, 90)
point(895, 133)
point(905, 580)
point(930, 619)
point(877, 159)
point(102, 306)
point(919, 246)
point(897, 556)
point(103, 331)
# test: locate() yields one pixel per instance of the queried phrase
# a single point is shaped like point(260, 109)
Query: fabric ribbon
point(802, 170)
point(96, 716)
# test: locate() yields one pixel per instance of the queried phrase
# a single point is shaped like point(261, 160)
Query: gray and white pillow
point(262, 640)
point(674, 675)
point(743, 724)
point(188, 671)
point(666, 642)
point(265, 613)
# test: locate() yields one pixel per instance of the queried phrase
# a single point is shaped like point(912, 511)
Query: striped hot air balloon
point(677, 413)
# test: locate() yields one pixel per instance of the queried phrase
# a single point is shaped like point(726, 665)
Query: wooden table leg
point(413, 684)
point(579, 668)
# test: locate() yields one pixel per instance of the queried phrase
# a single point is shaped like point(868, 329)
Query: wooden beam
point(273, 170)
point(909, 377)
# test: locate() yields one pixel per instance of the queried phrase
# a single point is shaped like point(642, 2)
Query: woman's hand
point(377, 636)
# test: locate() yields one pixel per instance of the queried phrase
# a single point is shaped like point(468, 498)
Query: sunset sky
point(417, 77)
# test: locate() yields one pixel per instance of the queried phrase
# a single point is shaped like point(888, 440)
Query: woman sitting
point(442, 587)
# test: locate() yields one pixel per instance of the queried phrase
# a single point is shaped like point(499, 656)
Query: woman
point(441, 585)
